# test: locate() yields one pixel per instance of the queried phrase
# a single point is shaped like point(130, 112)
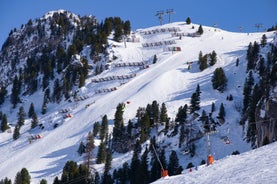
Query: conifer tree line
point(144, 166)
point(219, 79)
point(127, 137)
point(206, 60)
point(258, 88)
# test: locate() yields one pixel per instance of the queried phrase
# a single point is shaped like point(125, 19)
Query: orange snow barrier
point(164, 173)
point(210, 159)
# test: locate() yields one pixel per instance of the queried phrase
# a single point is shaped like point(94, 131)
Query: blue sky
point(227, 14)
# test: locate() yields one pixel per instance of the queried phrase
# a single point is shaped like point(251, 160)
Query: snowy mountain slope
point(169, 81)
point(256, 166)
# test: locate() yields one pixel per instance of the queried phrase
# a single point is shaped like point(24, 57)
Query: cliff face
point(266, 120)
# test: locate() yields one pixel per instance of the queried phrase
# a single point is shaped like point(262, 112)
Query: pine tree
point(31, 110)
point(43, 181)
point(265, 141)
point(249, 82)
point(70, 172)
point(237, 62)
point(221, 113)
point(82, 80)
point(108, 161)
point(213, 58)
point(21, 116)
point(34, 121)
point(143, 170)
point(16, 132)
point(135, 165)
point(107, 178)
point(212, 107)
point(101, 154)
point(118, 117)
point(203, 62)
point(15, 91)
point(118, 30)
point(57, 91)
point(203, 116)
point(4, 123)
point(163, 115)
point(89, 149)
point(194, 102)
point(127, 27)
point(190, 165)
point(181, 115)
point(155, 59)
point(200, 57)
point(155, 169)
point(200, 30)
point(23, 177)
point(118, 132)
point(129, 128)
point(264, 40)
point(250, 63)
point(261, 66)
point(188, 20)
point(123, 173)
point(173, 165)
point(219, 80)
point(197, 90)
point(145, 126)
point(252, 55)
point(96, 128)
point(96, 178)
point(254, 99)
point(56, 180)
point(104, 129)
point(82, 148)
point(3, 92)
point(6, 181)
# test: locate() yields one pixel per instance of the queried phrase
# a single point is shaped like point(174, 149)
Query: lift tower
point(169, 12)
point(160, 16)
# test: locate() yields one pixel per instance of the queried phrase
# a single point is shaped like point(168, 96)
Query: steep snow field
point(169, 81)
point(253, 167)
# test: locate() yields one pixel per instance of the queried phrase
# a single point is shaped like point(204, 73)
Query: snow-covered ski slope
point(169, 81)
point(253, 167)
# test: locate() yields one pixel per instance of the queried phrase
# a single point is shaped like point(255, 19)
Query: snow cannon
point(210, 159)
point(164, 173)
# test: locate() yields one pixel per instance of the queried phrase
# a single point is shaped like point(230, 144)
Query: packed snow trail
point(253, 167)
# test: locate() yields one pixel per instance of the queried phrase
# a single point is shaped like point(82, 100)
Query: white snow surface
point(252, 167)
point(169, 81)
